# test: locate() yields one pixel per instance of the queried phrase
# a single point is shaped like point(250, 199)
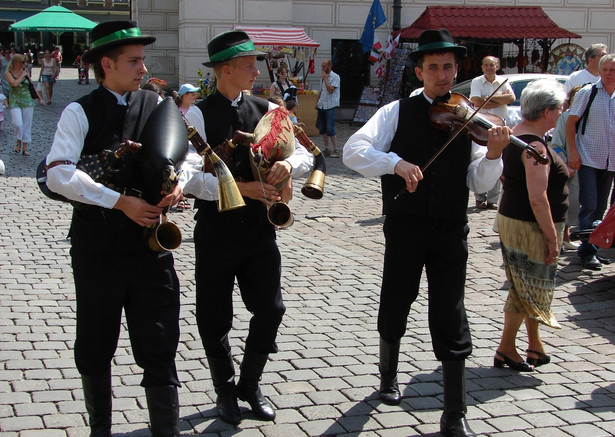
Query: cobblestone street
point(324, 379)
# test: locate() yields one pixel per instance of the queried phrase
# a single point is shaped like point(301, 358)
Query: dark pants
point(441, 247)
point(146, 287)
point(230, 247)
point(594, 188)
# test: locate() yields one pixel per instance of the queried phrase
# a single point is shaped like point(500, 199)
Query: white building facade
point(183, 27)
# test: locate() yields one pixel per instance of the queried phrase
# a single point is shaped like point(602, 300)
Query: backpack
point(583, 116)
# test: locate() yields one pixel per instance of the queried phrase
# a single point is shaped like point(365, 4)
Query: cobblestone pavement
point(324, 379)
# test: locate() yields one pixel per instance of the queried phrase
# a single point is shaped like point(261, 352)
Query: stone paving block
point(585, 430)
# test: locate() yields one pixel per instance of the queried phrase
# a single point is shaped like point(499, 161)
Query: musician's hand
point(410, 173)
point(499, 138)
point(263, 193)
point(138, 210)
point(279, 171)
point(172, 198)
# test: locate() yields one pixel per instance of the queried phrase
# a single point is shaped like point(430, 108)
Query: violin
point(453, 115)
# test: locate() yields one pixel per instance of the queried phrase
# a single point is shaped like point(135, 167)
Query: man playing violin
point(426, 227)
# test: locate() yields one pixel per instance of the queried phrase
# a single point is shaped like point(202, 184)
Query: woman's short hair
point(539, 95)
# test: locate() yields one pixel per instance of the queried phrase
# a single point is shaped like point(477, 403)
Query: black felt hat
point(436, 41)
point(230, 45)
point(111, 34)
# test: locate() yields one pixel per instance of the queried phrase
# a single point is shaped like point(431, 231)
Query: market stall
point(289, 45)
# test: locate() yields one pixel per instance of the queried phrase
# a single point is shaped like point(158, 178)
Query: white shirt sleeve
point(66, 179)
point(193, 180)
point(367, 150)
point(483, 173)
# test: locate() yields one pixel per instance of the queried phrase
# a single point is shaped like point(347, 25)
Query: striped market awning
point(278, 36)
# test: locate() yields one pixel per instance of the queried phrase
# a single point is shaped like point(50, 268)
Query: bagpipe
point(158, 155)
point(273, 140)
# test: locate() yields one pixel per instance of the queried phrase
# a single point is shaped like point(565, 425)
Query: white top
point(481, 87)
point(580, 78)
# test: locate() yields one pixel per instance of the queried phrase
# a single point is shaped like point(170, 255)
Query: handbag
point(32, 90)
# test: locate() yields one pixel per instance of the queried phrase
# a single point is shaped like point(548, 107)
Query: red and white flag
point(374, 54)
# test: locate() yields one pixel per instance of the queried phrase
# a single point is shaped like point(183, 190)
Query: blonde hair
point(16, 58)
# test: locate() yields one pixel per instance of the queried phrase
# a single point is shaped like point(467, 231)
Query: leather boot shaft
point(453, 422)
point(222, 371)
point(163, 407)
point(248, 388)
point(97, 396)
point(389, 359)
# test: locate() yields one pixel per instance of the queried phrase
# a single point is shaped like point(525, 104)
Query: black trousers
point(229, 247)
point(145, 286)
point(441, 247)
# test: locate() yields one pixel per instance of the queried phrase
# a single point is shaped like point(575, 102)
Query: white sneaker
point(335, 154)
point(570, 245)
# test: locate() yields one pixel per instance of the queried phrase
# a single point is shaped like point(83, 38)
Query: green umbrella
point(55, 19)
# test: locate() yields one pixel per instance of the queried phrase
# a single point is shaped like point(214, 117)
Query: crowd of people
point(109, 219)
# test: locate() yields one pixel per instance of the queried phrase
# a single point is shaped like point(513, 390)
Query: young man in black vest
point(113, 267)
point(238, 244)
point(426, 227)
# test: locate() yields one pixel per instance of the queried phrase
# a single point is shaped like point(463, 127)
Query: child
point(291, 105)
point(3, 105)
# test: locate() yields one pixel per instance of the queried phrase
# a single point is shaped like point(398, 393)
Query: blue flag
point(374, 19)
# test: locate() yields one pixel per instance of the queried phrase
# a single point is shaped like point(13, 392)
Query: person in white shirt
point(328, 100)
point(482, 87)
point(591, 73)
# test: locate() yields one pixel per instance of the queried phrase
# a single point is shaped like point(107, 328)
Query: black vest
point(109, 230)
point(110, 124)
point(221, 120)
point(443, 193)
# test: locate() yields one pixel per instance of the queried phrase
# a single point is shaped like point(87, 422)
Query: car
point(518, 82)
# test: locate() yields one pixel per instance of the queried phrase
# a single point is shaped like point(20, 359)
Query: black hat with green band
point(230, 45)
point(436, 41)
point(112, 34)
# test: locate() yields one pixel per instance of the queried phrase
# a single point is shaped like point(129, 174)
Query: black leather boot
point(389, 357)
point(163, 407)
point(248, 389)
point(453, 422)
point(223, 376)
point(97, 395)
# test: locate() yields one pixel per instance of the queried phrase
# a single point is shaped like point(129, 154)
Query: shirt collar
point(121, 99)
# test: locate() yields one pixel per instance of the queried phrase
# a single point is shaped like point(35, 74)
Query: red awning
point(278, 36)
point(503, 23)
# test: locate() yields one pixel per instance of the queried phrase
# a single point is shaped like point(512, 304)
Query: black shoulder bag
point(583, 116)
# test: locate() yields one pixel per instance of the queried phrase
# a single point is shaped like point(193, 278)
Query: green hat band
point(231, 51)
point(117, 36)
point(437, 45)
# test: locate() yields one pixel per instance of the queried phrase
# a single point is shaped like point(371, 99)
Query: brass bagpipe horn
point(229, 196)
point(273, 140)
point(165, 145)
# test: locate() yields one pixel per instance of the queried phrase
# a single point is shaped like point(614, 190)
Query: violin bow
point(450, 140)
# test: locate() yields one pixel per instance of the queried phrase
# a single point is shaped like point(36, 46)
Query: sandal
point(18, 147)
point(540, 361)
point(24, 151)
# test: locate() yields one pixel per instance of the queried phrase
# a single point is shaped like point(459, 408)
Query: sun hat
point(187, 88)
point(436, 41)
point(230, 45)
point(112, 34)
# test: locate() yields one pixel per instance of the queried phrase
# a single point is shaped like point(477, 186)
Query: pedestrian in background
point(48, 74)
point(21, 103)
point(591, 151)
point(481, 88)
point(559, 145)
point(328, 100)
point(530, 223)
point(591, 73)
point(427, 227)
